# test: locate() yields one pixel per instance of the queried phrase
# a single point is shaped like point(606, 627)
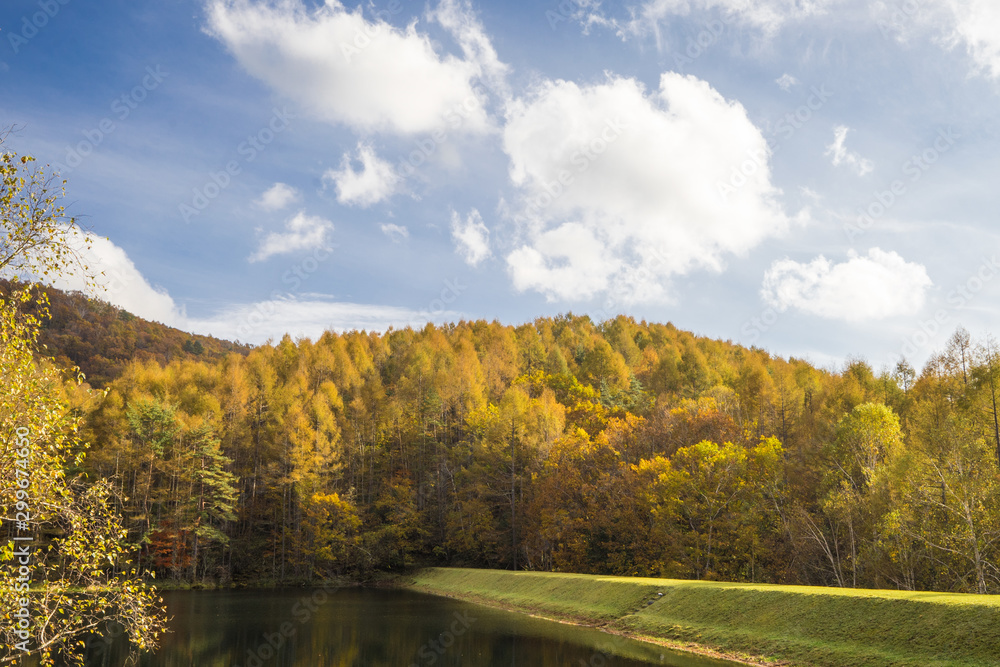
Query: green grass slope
point(797, 625)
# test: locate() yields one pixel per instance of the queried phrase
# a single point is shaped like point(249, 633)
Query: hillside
point(621, 447)
point(101, 339)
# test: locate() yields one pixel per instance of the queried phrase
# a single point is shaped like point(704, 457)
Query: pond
point(372, 628)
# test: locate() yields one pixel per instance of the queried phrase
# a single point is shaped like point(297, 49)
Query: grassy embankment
point(793, 625)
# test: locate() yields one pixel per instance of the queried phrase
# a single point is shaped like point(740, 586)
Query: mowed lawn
point(800, 625)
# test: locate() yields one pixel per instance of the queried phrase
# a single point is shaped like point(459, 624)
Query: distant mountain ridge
point(101, 339)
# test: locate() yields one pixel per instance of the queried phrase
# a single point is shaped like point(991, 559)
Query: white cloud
point(472, 237)
point(971, 24)
point(568, 262)
point(308, 318)
point(879, 285)
point(977, 24)
point(457, 17)
point(840, 155)
point(809, 193)
point(124, 286)
point(343, 68)
point(301, 232)
point(121, 283)
point(786, 81)
point(376, 181)
point(767, 16)
point(396, 233)
point(277, 197)
point(622, 189)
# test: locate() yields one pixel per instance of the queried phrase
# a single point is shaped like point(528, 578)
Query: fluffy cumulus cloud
point(471, 237)
point(344, 68)
point(622, 188)
point(377, 179)
point(839, 155)
point(302, 232)
point(866, 287)
point(568, 262)
point(119, 282)
point(277, 197)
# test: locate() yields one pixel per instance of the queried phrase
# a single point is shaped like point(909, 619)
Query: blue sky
point(815, 178)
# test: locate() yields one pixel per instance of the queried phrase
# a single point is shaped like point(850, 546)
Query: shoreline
point(680, 647)
point(751, 624)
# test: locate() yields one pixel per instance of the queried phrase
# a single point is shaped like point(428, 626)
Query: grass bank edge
point(799, 625)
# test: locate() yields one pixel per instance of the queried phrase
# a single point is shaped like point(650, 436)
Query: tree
point(866, 438)
point(211, 493)
point(508, 440)
point(330, 526)
point(867, 442)
point(986, 379)
point(722, 505)
point(154, 432)
point(957, 500)
point(36, 236)
point(77, 543)
point(958, 355)
point(78, 556)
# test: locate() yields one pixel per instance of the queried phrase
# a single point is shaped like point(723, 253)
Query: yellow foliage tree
point(64, 569)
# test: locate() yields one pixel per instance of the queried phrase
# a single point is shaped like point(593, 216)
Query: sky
point(817, 178)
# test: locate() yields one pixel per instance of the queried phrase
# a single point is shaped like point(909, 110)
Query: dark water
point(372, 628)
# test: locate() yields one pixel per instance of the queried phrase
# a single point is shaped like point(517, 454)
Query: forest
point(101, 339)
point(563, 444)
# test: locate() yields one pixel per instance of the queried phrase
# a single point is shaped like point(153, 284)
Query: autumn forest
point(620, 447)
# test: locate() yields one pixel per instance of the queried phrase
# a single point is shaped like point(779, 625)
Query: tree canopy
point(623, 447)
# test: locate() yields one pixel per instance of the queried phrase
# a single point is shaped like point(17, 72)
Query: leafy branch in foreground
point(37, 238)
point(65, 570)
point(81, 576)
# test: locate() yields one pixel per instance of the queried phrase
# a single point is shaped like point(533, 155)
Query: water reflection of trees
point(371, 628)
